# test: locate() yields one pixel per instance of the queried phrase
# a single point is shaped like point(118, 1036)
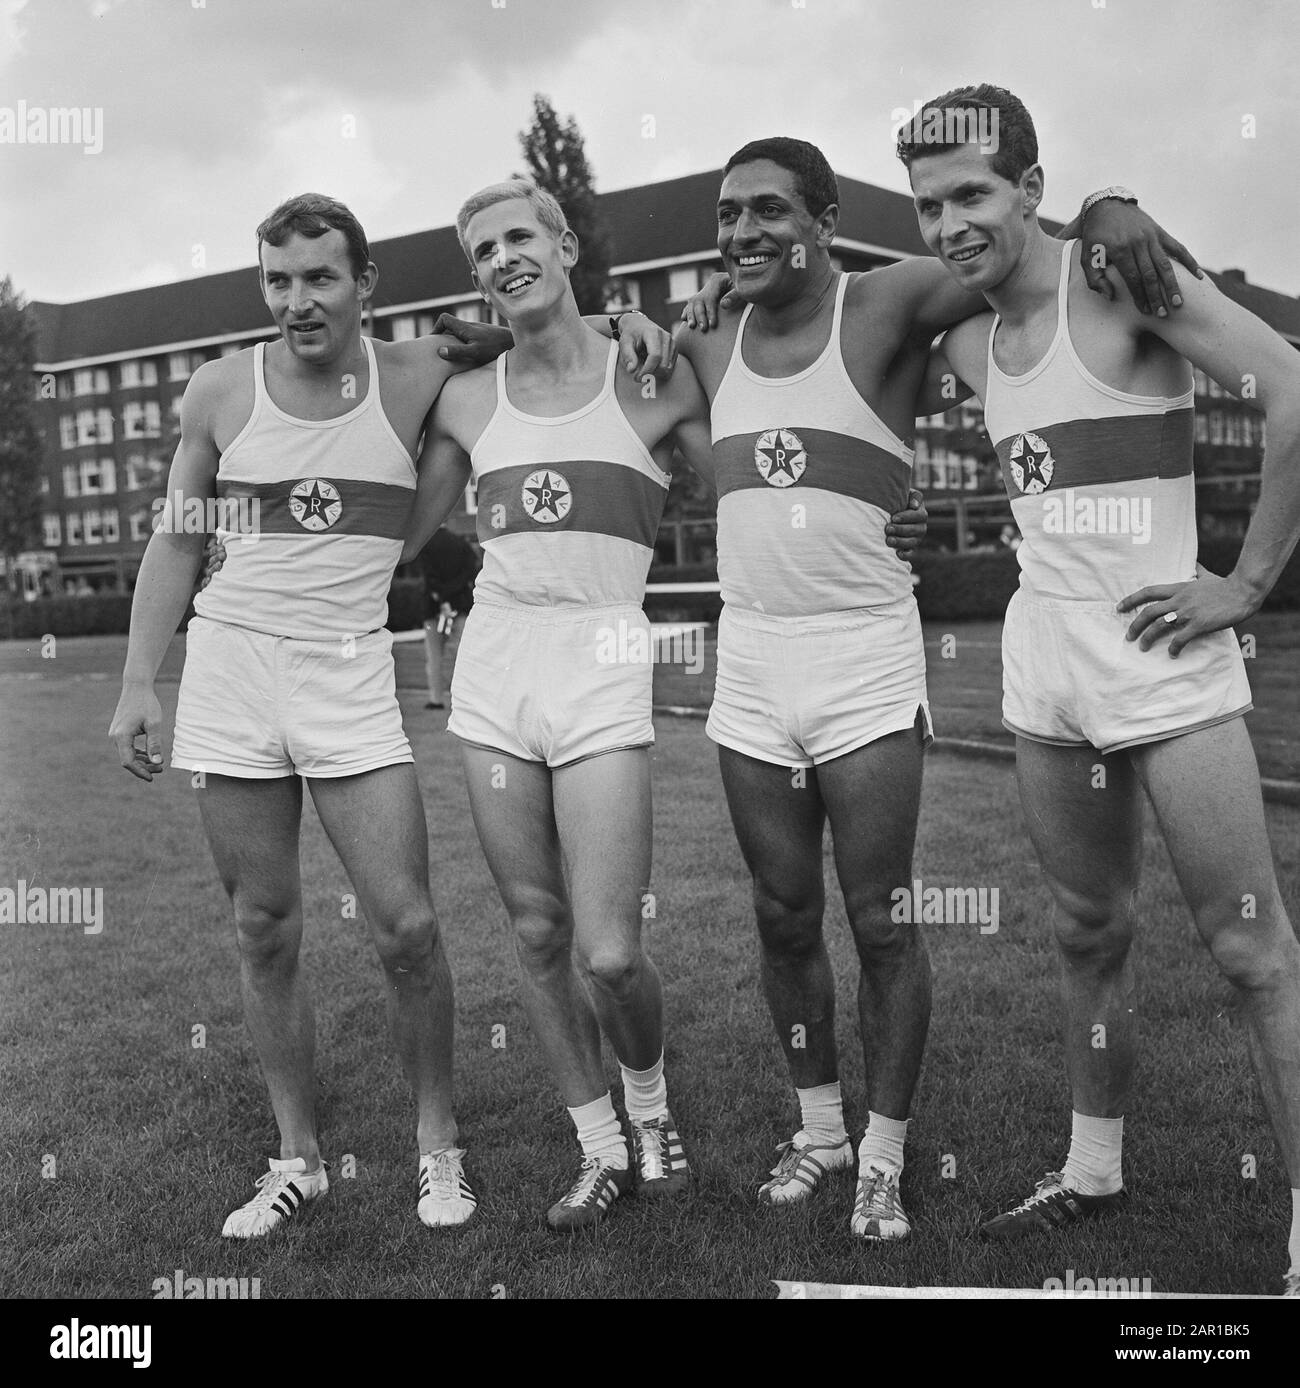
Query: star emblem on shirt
point(547, 496)
point(779, 457)
point(315, 504)
point(1032, 464)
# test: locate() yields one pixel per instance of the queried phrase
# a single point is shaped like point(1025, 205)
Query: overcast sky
point(213, 111)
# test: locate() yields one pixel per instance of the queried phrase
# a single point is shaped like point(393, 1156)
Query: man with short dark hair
point(1090, 406)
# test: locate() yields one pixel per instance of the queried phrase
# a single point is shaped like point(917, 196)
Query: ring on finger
point(1171, 618)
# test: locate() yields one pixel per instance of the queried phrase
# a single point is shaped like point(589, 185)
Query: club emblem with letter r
point(780, 458)
point(315, 504)
point(547, 496)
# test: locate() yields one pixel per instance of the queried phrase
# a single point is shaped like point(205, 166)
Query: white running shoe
point(878, 1212)
point(445, 1196)
point(802, 1168)
point(281, 1193)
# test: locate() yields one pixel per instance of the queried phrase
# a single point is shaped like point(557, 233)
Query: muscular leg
point(872, 797)
point(1086, 827)
point(603, 815)
point(1205, 791)
point(515, 818)
point(252, 828)
point(778, 816)
point(376, 823)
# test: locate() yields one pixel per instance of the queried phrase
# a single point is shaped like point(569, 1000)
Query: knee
point(881, 933)
point(1252, 952)
point(267, 934)
point(613, 968)
point(789, 921)
point(406, 941)
point(1093, 930)
point(542, 936)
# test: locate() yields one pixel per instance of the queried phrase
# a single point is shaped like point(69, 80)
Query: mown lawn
point(154, 1139)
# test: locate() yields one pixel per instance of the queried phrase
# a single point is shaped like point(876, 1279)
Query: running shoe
point(661, 1165)
point(445, 1196)
point(878, 1212)
point(281, 1193)
point(1051, 1206)
point(588, 1199)
point(802, 1168)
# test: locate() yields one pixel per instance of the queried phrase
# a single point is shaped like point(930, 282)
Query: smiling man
point(289, 674)
point(820, 710)
point(552, 706)
point(1089, 404)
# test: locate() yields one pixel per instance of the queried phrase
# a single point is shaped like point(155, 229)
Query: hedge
point(953, 587)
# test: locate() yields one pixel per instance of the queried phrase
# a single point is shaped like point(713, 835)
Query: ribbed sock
point(599, 1133)
point(882, 1143)
point(645, 1092)
point(821, 1114)
point(1096, 1146)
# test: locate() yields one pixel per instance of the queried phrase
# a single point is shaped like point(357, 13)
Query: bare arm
point(1247, 358)
point(165, 581)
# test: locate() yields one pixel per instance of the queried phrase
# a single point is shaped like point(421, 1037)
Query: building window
point(74, 528)
point(90, 531)
point(53, 530)
point(683, 282)
point(98, 476)
point(1216, 426)
point(129, 374)
point(1202, 381)
point(404, 329)
point(90, 381)
point(86, 427)
point(139, 373)
point(622, 295)
point(104, 425)
point(230, 348)
point(1202, 428)
point(1216, 390)
point(111, 532)
point(141, 419)
point(67, 431)
point(1233, 430)
point(141, 525)
point(182, 365)
point(174, 409)
point(71, 480)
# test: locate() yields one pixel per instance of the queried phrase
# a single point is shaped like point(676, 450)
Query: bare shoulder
point(467, 400)
point(219, 397)
point(709, 353)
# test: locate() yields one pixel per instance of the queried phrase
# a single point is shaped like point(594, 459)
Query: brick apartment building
point(111, 371)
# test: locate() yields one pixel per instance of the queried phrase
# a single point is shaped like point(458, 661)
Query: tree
point(557, 161)
point(20, 444)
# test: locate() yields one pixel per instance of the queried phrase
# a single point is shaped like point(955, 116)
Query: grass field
point(155, 1139)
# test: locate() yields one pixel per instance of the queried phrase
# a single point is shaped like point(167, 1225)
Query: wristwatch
point(614, 317)
point(1116, 191)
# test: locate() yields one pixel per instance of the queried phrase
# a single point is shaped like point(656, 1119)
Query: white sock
point(821, 1113)
point(645, 1092)
point(1293, 1248)
point(599, 1133)
point(1096, 1145)
point(882, 1143)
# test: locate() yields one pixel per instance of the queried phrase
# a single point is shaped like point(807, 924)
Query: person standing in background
point(448, 568)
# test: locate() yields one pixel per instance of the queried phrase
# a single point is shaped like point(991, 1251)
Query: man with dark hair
point(1090, 405)
point(289, 674)
point(820, 710)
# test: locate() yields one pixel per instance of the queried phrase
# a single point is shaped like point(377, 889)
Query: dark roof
point(650, 222)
